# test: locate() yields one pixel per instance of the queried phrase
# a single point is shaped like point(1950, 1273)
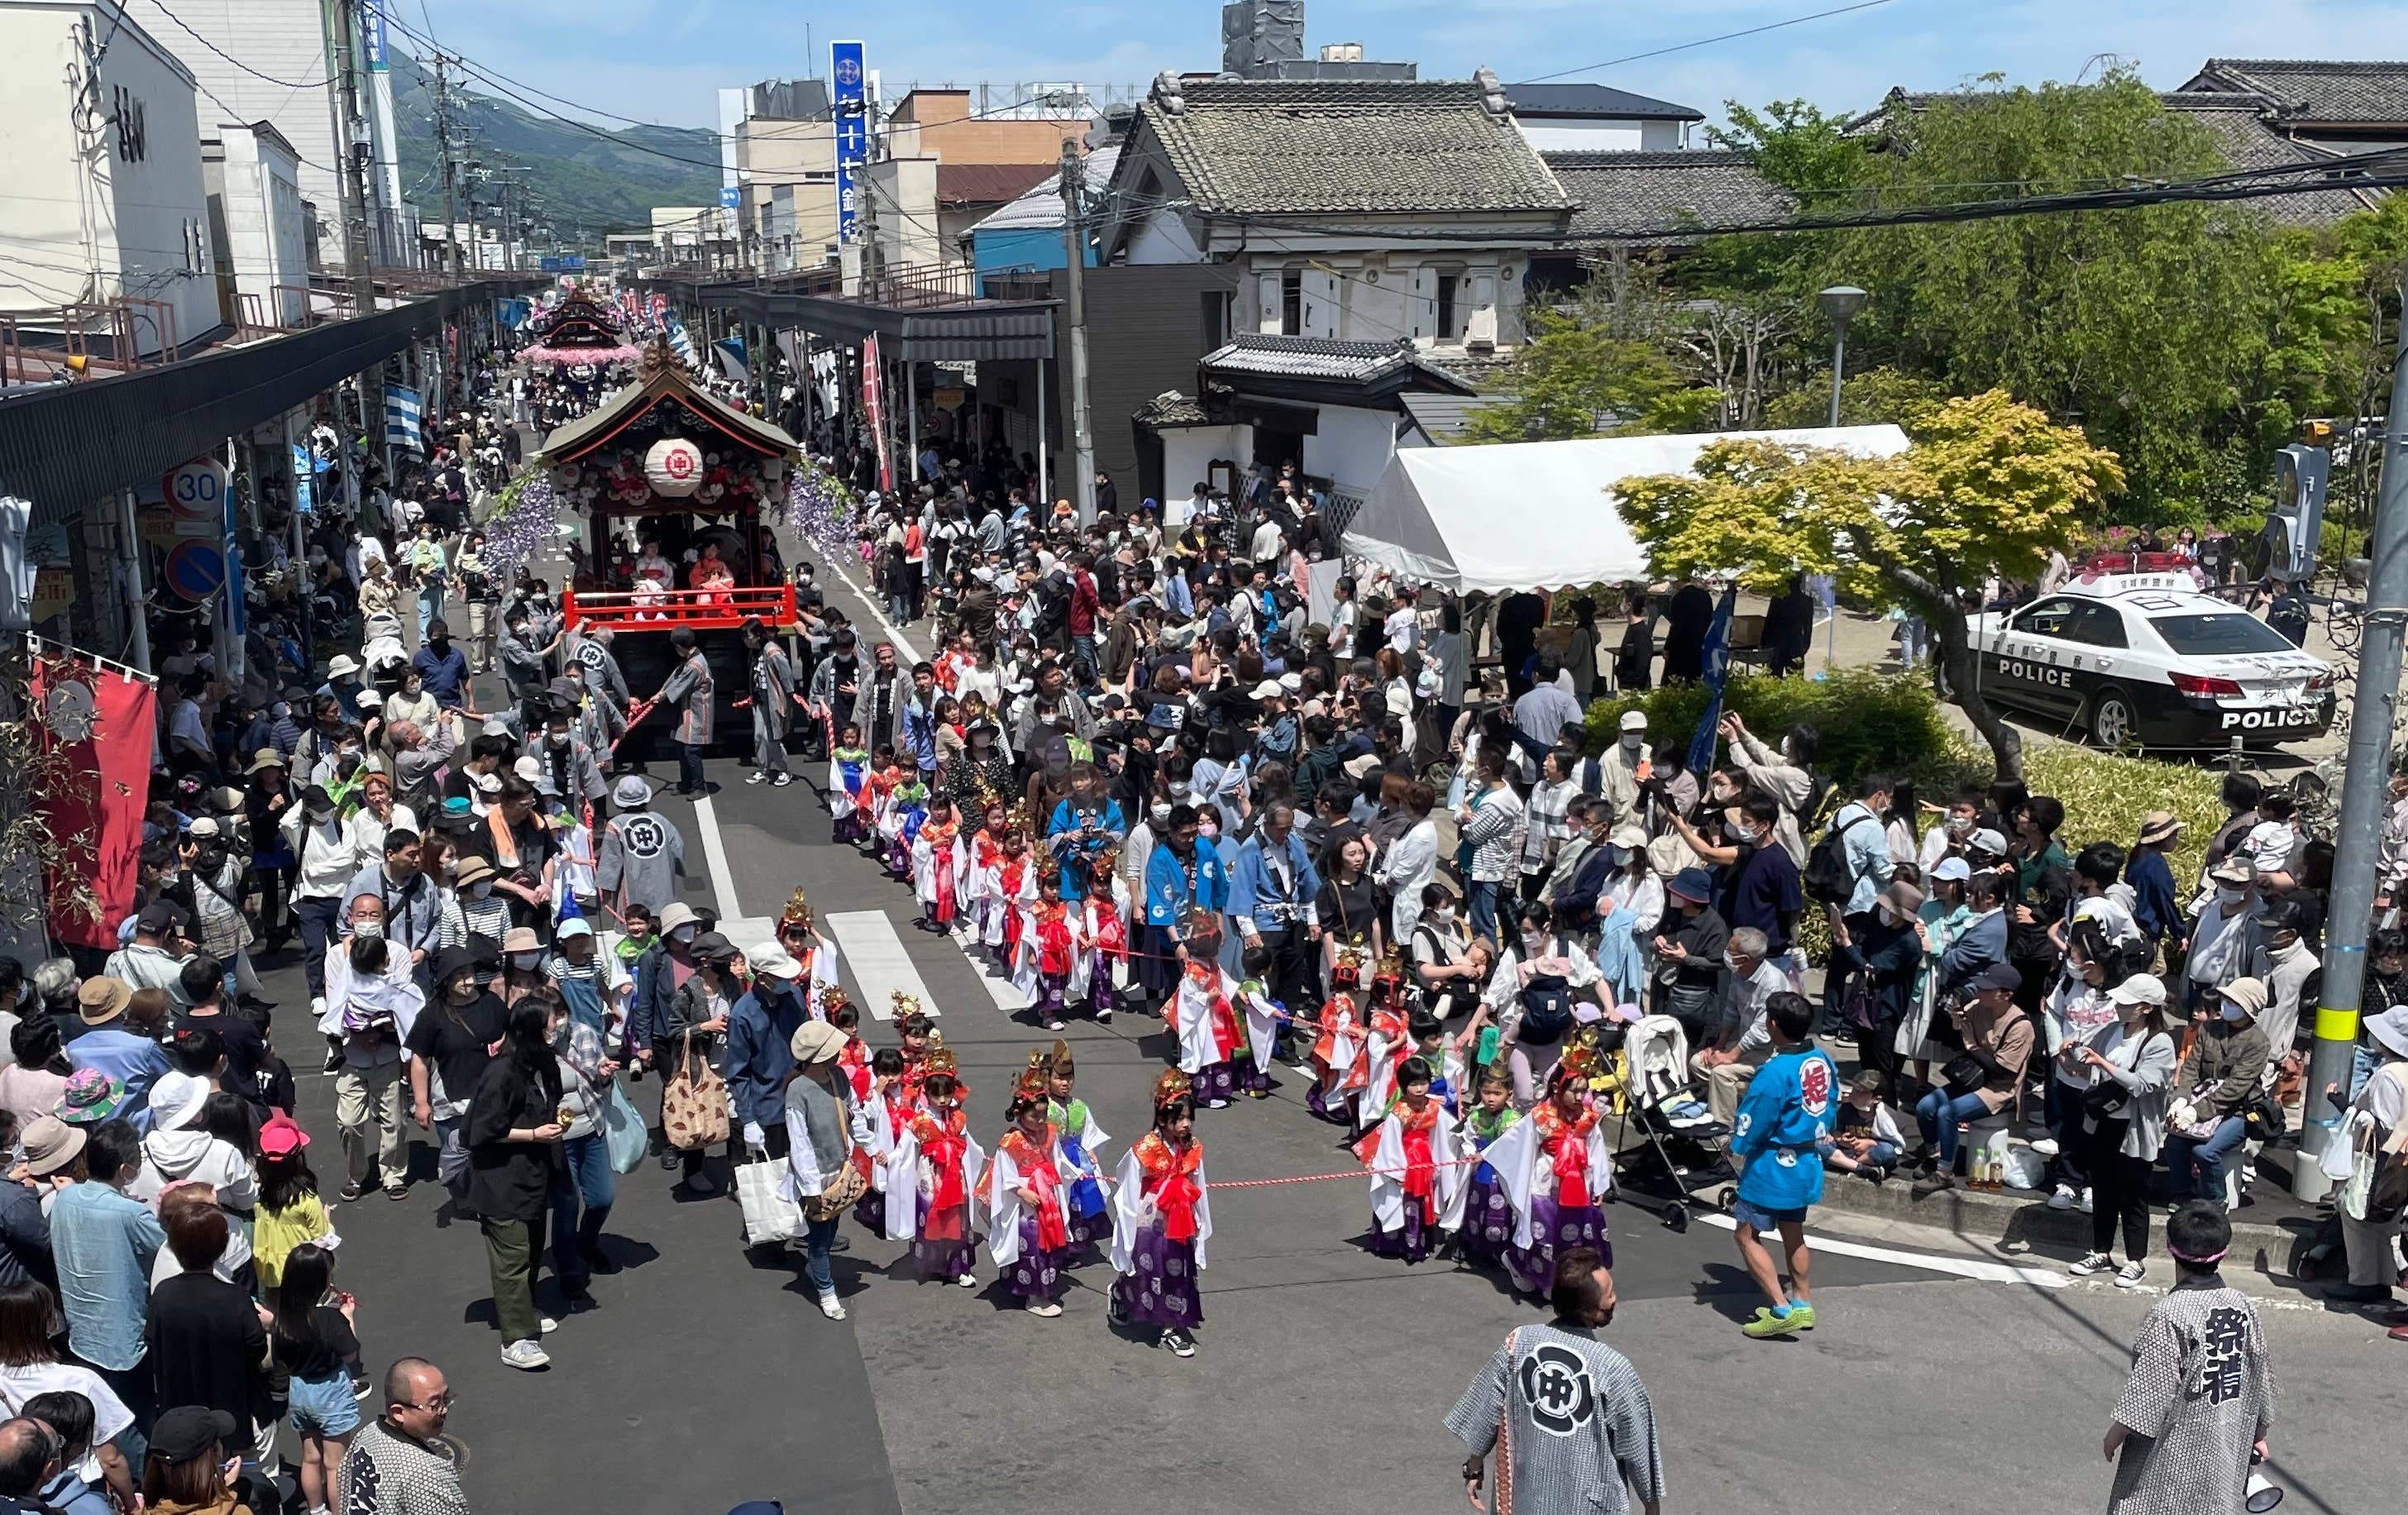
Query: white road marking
point(878, 613)
point(714, 853)
point(998, 988)
point(880, 965)
point(1963, 1267)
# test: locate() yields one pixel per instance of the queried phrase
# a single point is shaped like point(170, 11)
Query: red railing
point(702, 610)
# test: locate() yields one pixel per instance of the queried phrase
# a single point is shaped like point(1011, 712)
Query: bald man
point(400, 1464)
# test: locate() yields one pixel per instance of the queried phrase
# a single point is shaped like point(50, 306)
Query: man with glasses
point(400, 1464)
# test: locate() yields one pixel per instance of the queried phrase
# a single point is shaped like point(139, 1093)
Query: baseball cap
point(1634, 721)
point(189, 1431)
point(1998, 976)
point(1987, 840)
point(1954, 868)
point(576, 926)
point(2140, 988)
point(279, 1138)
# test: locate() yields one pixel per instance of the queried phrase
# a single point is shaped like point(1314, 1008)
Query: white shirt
point(1267, 541)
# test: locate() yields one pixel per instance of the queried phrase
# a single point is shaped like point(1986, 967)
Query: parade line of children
point(1454, 1167)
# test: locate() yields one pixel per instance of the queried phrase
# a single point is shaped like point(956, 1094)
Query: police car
point(2146, 659)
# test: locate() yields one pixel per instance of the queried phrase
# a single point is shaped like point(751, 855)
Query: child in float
point(1162, 1217)
point(907, 811)
point(1338, 1045)
point(981, 855)
point(1431, 1044)
point(1555, 1169)
point(939, 874)
point(1083, 1143)
point(1417, 1186)
point(1487, 1214)
point(1028, 1197)
point(944, 1168)
point(919, 1037)
point(878, 1121)
point(799, 934)
point(849, 784)
point(1103, 935)
point(1049, 951)
point(1265, 1021)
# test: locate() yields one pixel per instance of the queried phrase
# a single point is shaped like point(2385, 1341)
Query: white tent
point(1538, 515)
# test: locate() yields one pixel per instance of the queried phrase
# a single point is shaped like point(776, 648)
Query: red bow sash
point(1053, 946)
point(1225, 1027)
point(1421, 1168)
point(1572, 1168)
point(945, 1151)
point(1111, 938)
point(1178, 1197)
point(1052, 1233)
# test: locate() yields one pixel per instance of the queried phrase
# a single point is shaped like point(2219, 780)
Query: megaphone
point(2261, 1493)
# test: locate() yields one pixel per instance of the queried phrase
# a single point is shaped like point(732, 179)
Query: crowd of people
point(1159, 763)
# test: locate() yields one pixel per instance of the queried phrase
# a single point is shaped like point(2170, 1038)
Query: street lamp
point(1841, 302)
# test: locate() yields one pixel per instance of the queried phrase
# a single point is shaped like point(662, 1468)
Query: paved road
point(705, 1378)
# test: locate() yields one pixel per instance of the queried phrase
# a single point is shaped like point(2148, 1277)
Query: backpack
point(1828, 880)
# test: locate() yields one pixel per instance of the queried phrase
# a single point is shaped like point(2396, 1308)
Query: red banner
point(873, 410)
point(99, 728)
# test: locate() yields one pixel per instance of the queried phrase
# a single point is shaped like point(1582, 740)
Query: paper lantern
point(673, 467)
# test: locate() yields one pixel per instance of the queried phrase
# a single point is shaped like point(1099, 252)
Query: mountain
point(584, 180)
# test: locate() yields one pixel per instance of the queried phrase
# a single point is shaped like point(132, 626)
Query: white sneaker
point(2084, 1206)
point(546, 1324)
point(967, 1281)
point(832, 1307)
point(2130, 1275)
point(2092, 1263)
point(526, 1356)
point(756, 776)
point(2063, 1198)
point(1178, 1342)
point(318, 1007)
point(1044, 1309)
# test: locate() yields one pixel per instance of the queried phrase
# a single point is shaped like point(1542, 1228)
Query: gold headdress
point(1032, 1083)
point(905, 1003)
point(940, 1057)
point(1059, 1062)
point(1170, 1088)
point(832, 999)
point(797, 912)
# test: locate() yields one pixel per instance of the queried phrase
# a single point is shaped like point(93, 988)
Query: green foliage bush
point(1870, 722)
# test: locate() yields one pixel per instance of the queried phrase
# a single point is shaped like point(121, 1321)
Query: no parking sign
point(195, 570)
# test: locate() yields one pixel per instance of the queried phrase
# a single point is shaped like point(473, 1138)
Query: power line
point(1708, 41)
point(280, 83)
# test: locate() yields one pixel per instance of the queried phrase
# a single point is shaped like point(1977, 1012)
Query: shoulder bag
point(694, 1104)
point(2108, 1099)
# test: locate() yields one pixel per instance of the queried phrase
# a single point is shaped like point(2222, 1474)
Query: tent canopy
point(1539, 515)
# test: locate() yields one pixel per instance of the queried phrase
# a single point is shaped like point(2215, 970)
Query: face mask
point(349, 750)
point(1160, 815)
point(410, 686)
point(1747, 832)
point(371, 930)
point(1444, 914)
point(2230, 895)
point(683, 935)
point(479, 890)
point(2232, 1013)
point(525, 961)
point(557, 738)
point(280, 711)
point(1959, 826)
point(318, 817)
point(1731, 963)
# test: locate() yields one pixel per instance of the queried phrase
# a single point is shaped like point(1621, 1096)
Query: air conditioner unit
point(2285, 549)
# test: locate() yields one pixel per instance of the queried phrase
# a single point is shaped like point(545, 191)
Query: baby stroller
point(1685, 1146)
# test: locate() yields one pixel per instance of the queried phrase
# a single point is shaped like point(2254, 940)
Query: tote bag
point(623, 1128)
point(693, 1104)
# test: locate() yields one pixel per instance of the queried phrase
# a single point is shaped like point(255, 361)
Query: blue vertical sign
point(379, 59)
point(851, 133)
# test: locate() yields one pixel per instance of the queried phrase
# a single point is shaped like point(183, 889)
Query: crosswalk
point(878, 962)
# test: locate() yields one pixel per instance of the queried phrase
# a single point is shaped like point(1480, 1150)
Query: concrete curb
point(2021, 1219)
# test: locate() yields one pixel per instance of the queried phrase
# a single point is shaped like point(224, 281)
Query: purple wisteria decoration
point(523, 525)
point(817, 507)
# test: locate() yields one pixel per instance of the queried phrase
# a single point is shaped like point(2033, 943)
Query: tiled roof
point(991, 183)
point(1622, 193)
point(2365, 94)
point(1318, 148)
point(1039, 207)
point(1446, 417)
point(1602, 101)
point(2248, 140)
point(1318, 358)
point(1170, 409)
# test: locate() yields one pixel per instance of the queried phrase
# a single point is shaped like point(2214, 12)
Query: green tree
point(1869, 397)
point(1986, 483)
point(2148, 326)
point(1585, 373)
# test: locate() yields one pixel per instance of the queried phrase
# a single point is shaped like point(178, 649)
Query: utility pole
point(353, 140)
point(1074, 242)
point(2362, 797)
point(451, 169)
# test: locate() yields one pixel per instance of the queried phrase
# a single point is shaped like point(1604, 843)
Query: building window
point(1292, 303)
point(1449, 328)
point(1216, 317)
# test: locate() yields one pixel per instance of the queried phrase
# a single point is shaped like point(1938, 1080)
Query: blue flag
point(1718, 670)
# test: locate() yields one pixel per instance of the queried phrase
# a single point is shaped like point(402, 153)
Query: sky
point(664, 59)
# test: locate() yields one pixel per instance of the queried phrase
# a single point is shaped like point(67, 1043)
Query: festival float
point(662, 462)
